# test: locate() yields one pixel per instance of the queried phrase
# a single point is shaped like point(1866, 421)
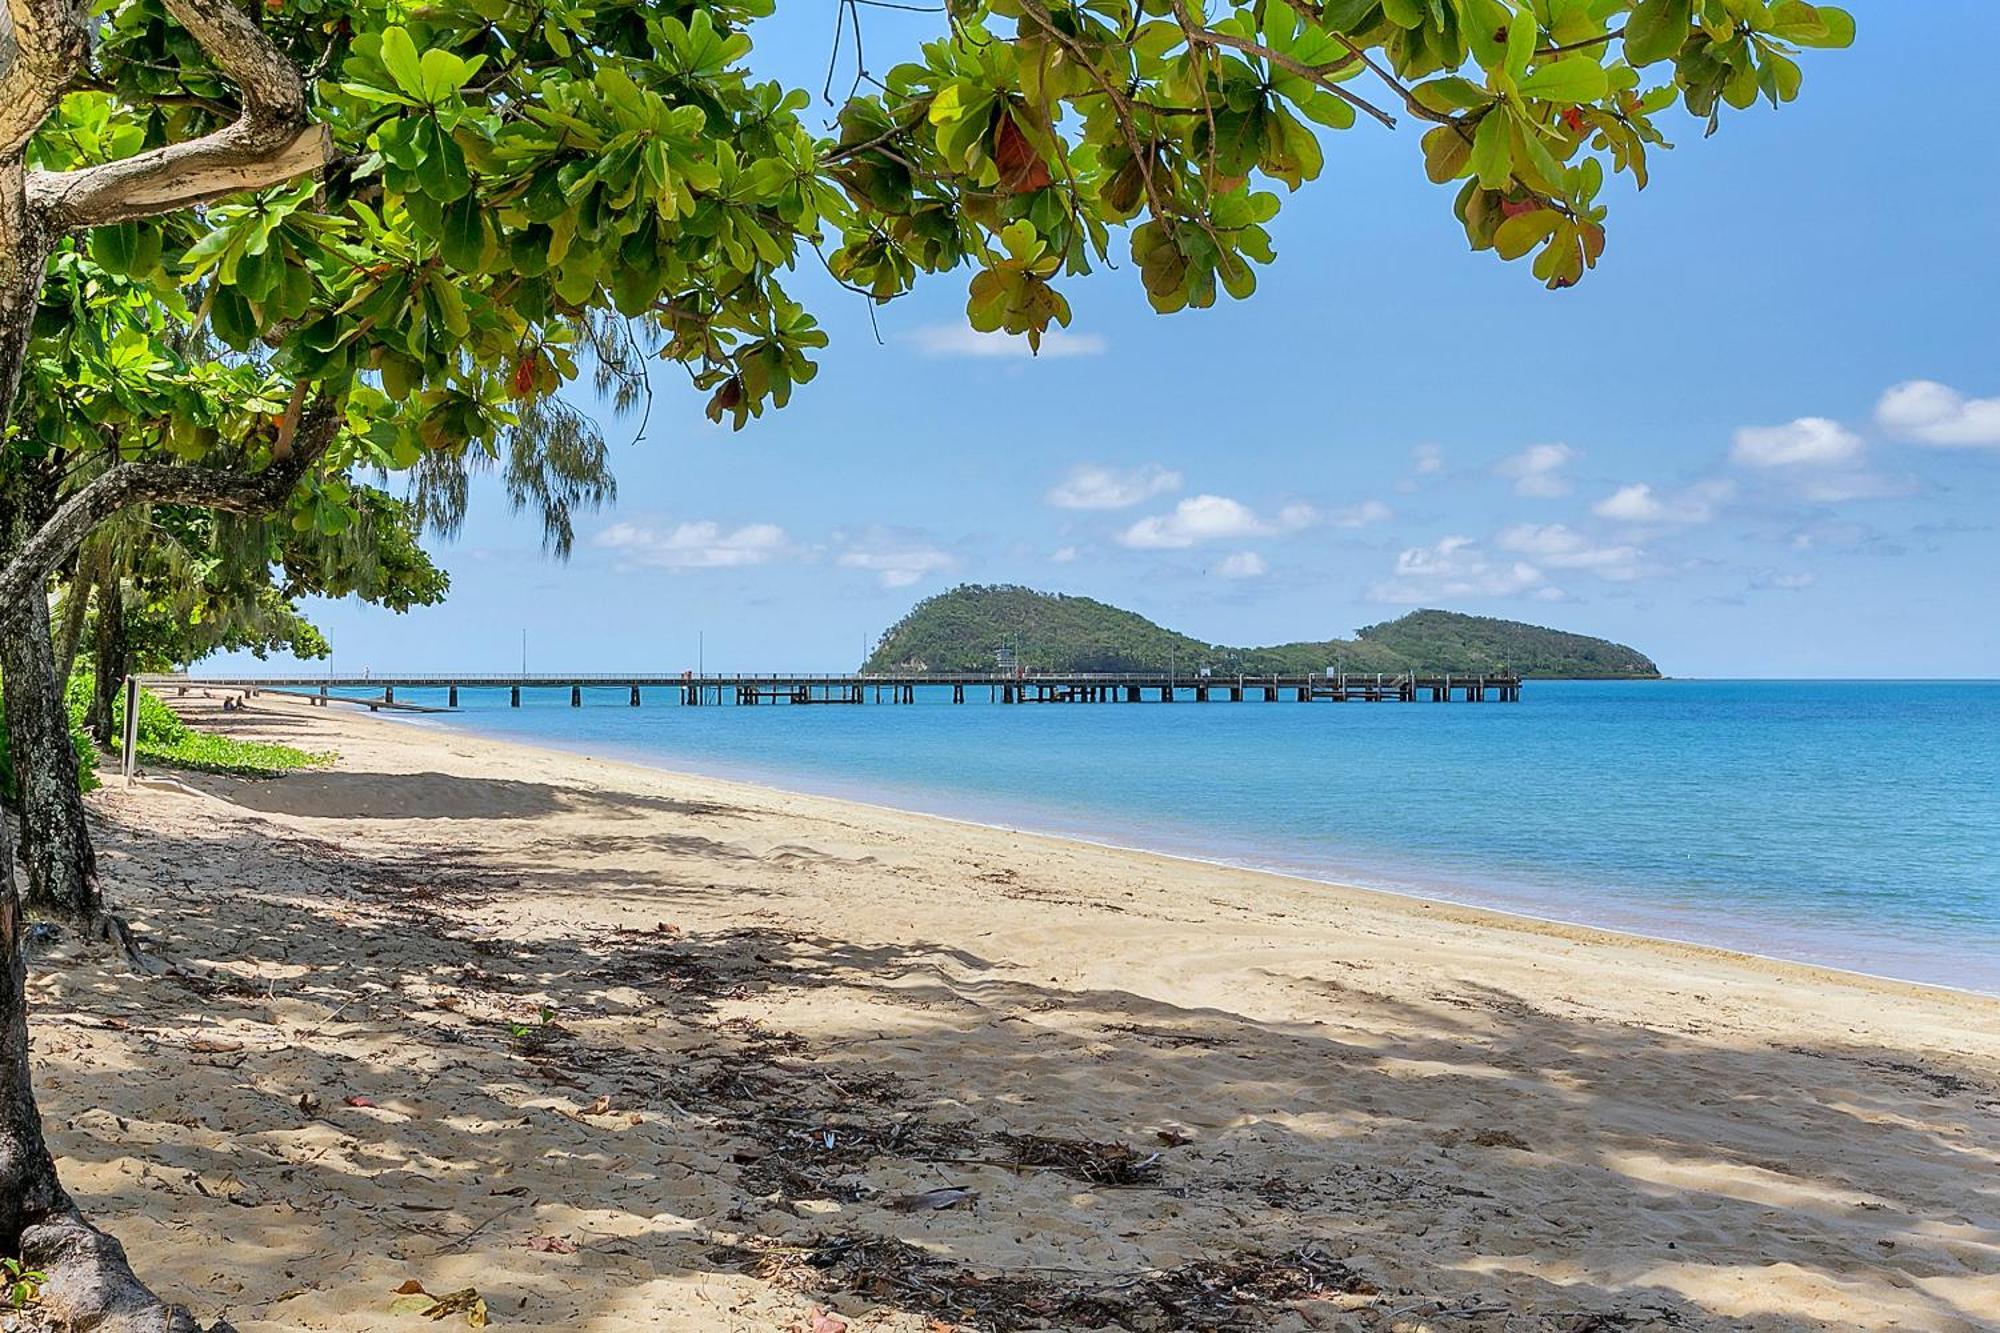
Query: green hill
point(968, 628)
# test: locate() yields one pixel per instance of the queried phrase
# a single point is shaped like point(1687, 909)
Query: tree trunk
point(89, 1281)
point(113, 649)
point(69, 631)
point(55, 839)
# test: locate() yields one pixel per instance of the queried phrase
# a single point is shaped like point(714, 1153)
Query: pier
point(693, 691)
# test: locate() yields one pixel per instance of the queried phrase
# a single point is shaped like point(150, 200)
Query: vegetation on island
point(253, 256)
point(973, 627)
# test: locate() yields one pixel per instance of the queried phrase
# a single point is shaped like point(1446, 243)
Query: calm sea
point(1855, 824)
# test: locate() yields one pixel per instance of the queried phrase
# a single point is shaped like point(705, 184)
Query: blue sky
point(1762, 439)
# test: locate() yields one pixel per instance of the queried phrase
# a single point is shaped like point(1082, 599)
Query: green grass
point(210, 753)
point(165, 739)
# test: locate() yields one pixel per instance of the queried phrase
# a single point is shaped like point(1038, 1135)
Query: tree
point(408, 241)
point(184, 583)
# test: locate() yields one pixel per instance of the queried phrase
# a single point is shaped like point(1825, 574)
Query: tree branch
point(1311, 13)
point(42, 45)
point(1199, 36)
point(127, 484)
point(273, 141)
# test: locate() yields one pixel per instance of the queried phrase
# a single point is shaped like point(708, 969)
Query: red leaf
point(356, 1099)
point(1021, 167)
point(524, 376)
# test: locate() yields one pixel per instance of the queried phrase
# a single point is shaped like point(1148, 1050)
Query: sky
point(1762, 439)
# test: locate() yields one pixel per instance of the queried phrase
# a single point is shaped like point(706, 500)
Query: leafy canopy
point(503, 170)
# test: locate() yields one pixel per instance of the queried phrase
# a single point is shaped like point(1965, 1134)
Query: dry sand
point(624, 1049)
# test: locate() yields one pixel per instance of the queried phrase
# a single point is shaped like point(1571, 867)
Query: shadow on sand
point(1555, 1173)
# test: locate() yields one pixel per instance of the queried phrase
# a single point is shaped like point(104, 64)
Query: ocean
point(1853, 823)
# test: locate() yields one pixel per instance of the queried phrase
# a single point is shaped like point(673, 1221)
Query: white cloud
point(1089, 486)
point(1361, 515)
point(1640, 503)
point(897, 566)
point(1786, 582)
point(1205, 518)
point(960, 340)
point(1840, 487)
point(1806, 442)
point(1558, 546)
point(1062, 555)
point(1926, 412)
point(698, 545)
point(1456, 567)
point(1427, 459)
point(1243, 565)
point(1537, 470)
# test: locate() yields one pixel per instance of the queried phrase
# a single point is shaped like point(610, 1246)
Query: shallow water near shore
point(1853, 824)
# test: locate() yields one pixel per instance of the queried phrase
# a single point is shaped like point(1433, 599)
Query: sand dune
point(622, 1049)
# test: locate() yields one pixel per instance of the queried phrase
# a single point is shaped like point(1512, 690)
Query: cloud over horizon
point(1558, 546)
point(1640, 503)
point(1092, 486)
point(961, 340)
point(1928, 413)
point(1537, 471)
point(1205, 518)
point(1456, 567)
point(701, 544)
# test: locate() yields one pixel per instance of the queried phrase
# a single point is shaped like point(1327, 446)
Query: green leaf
point(1450, 94)
point(1657, 30)
point(1446, 152)
point(1524, 231)
point(1824, 26)
point(462, 234)
point(1491, 159)
point(1521, 36)
point(443, 73)
point(116, 247)
point(399, 57)
point(1574, 79)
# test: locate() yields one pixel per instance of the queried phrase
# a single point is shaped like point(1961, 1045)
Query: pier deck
point(692, 690)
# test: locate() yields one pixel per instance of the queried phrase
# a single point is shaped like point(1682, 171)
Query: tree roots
point(90, 1286)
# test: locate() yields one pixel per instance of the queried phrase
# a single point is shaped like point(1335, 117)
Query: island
point(976, 627)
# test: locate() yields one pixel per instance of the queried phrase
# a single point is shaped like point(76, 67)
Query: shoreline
point(629, 1050)
point(1437, 896)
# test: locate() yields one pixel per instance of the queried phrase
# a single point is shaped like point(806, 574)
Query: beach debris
point(308, 1104)
point(1095, 1163)
point(550, 1244)
point(1173, 1138)
point(357, 1099)
point(1234, 1292)
point(797, 1158)
point(600, 1106)
point(949, 1196)
point(411, 1298)
point(821, 1321)
point(1168, 1037)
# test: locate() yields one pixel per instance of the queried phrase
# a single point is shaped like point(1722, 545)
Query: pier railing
point(690, 689)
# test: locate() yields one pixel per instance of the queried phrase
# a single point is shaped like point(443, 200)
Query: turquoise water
point(1855, 824)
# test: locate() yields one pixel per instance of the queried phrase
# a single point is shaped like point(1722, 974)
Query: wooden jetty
point(690, 690)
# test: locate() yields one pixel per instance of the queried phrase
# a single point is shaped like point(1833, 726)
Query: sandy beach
point(625, 1049)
